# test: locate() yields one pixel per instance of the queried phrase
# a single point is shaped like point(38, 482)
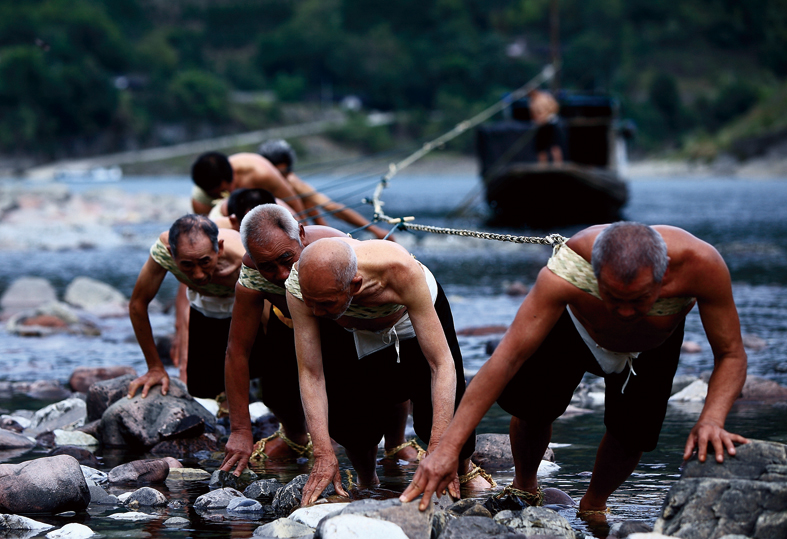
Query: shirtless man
point(378, 290)
point(207, 261)
point(215, 175)
point(282, 156)
point(274, 241)
point(632, 301)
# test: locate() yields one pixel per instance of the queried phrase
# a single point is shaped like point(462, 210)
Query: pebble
point(133, 516)
point(177, 522)
point(71, 531)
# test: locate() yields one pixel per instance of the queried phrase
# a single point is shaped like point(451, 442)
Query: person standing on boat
point(548, 139)
point(274, 240)
point(404, 347)
point(612, 301)
point(282, 156)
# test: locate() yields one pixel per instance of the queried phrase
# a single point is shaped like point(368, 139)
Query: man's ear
point(302, 233)
point(234, 223)
point(221, 247)
point(355, 284)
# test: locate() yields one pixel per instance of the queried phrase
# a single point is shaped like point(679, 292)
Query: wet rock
point(96, 297)
point(221, 479)
point(694, 392)
point(187, 447)
point(69, 413)
point(244, 505)
point(51, 318)
point(757, 388)
point(745, 495)
point(99, 496)
point(43, 390)
point(74, 438)
point(187, 474)
point(16, 522)
point(312, 515)
point(148, 497)
point(94, 476)
point(536, 521)
point(621, 530)
point(172, 462)
point(189, 427)
point(101, 395)
point(555, 496)
point(83, 456)
point(133, 516)
point(45, 485)
point(9, 423)
point(681, 381)
point(440, 521)
point(288, 498)
point(263, 490)
point(413, 522)
point(473, 528)
point(690, 347)
point(147, 471)
point(141, 422)
point(350, 526)
point(46, 439)
point(493, 452)
point(92, 428)
point(216, 499)
point(283, 528)
point(27, 293)
point(469, 507)
point(72, 530)
point(177, 522)
point(84, 377)
point(12, 440)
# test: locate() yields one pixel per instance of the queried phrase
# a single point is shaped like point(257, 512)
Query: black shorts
point(207, 349)
point(273, 359)
point(362, 392)
point(542, 388)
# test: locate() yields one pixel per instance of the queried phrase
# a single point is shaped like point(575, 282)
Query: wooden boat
point(587, 188)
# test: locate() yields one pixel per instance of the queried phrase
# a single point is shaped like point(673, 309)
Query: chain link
point(551, 239)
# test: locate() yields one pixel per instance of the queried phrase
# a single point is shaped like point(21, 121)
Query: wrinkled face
point(629, 302)
point(275, 259)
point(326, 300)
point(196, 258)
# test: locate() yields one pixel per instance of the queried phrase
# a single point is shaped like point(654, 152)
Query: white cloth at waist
point(368, 342)
point(608, 360)
point(211, 306)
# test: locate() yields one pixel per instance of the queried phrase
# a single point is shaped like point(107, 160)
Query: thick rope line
point(551, 239)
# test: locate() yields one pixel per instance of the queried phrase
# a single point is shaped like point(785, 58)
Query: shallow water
point(743, 219)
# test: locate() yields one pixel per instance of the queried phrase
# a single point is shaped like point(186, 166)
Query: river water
point(743, 219)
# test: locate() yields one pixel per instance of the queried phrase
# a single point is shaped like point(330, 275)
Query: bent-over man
point(612, 301)
point(405, 347)
point(274, 241)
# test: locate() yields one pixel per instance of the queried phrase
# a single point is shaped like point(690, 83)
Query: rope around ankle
point(300, 450)
point(389, 453)
point(536, 499)
point(475, 472)
point(590, 512)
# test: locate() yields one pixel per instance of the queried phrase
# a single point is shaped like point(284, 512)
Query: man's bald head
point(328, 260)
point(625, 247)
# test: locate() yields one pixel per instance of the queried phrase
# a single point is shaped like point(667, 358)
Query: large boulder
point(493, 452)
point(101, 395)
point(532, 521)
point(84, 377)
point(745, 495)
point(27, 293)
point(144, 422)
point(146, 471)
point(66, 414)
point(96, 297)
point(358, 526)
point(45, 485)
point(50, 318)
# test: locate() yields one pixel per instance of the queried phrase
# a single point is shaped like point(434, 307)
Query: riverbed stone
point(94, 476)
point(761, 389)
point(469, 507)
point(474, 528)
point(312, 515)
point(72, 530)
point(177, 522)
point(413, 522)
point(148, 471)
point(143, 422)
point(440, 521)
point(187, 447)
point(17, 522)
point(217, 499)
point(83, 377)
point(283, 528)
point(50, 318)
point(188, 474)
point(493, 452)
point(10, 423)
point(146, 496)
point(96, 297)
point(744, 495)
point(244, 505)
point(74, 438)
point(99, 496)
point(263, 490)
point(69, 413)
point(45, 485)
point(694, 392)
point(101, 395)
point(536, 521)
point(352, 526)
point(624, 529)
point(288, 498)
point(133, 516)
point(26, 293)
point(12, 440)
point(84, 456)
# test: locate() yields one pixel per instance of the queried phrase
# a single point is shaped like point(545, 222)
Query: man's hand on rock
point(324, 472)
point(237, 452)
point(151, 378)
point(434, 474)
point(707, 432)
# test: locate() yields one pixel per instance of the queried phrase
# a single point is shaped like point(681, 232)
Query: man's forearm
point(724, 387)
point(236, 385)
point(138, 313)
point(443, 400)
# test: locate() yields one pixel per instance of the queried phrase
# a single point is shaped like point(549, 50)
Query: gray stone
point(84, 456)
point(244, 505)
point(97, 477)
point(189, 474)
point(216, 499)
point(357, 526)
point(469, 507)
point(761, 389)
point(440, 521)
point(16, 522)
point(222, 479)
point(536, 521)
point(60, 415)
point(744, 495)
point(10, 423)
point(177, 522)
point(12, 440)
point(149, 471)
point(45, 485)
point(84, 377)
point(413, 522)
point(27, 293)
point(621, 530)
point(473, 528)
point(95, 297)
point(99, 496)
point(288, 498)
point(283, 528)
point(313, 514)
point(101, 395)
point(74, 438)
point(493, 452)
point(72, 530)
point(148, 497)
point(51, 318)
point(263, 490)
point(133, 516)
point(189, 447)
point(142, 422)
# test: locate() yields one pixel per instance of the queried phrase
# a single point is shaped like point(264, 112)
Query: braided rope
point(535, 500)
point(475, 472)
point(389, 453)
point(551, 239)
point(300, 450)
